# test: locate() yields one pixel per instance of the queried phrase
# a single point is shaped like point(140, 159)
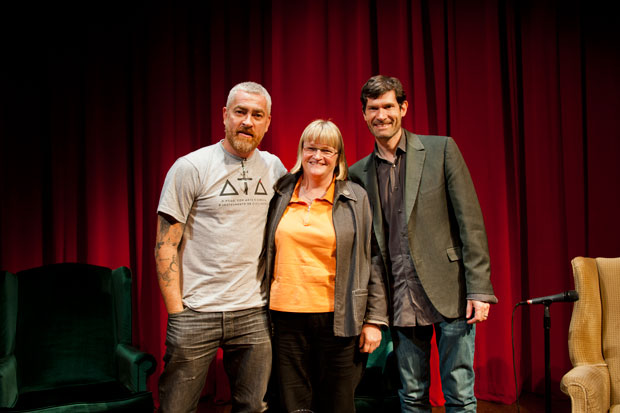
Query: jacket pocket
point(454, 253)
point(360, 298)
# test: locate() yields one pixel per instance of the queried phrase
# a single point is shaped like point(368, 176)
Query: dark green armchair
point(65, 342)
point(377, 391)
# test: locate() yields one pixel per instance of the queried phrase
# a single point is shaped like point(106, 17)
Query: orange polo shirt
point(305, 261)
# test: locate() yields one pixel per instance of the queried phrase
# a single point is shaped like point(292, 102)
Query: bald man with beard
point(211, 221)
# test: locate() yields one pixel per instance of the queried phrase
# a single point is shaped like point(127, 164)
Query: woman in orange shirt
point(327, 297)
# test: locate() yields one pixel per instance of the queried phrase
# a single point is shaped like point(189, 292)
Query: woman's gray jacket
point(360, 295)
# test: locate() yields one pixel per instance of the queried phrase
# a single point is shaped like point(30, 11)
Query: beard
point(241, 144)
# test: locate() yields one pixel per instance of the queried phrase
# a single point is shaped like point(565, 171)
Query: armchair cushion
point(95, 397)
point(66, 332)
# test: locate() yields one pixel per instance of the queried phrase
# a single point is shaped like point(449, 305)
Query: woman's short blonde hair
point(324, 132)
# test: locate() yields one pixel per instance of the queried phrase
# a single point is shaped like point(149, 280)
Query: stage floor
point(529, 403)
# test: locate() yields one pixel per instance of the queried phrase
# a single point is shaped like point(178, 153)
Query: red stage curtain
point(98, 100)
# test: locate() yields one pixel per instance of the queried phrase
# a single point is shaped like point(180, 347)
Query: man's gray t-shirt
point(223, 201)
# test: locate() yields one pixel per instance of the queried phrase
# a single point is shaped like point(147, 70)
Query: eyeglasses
point(326, 152)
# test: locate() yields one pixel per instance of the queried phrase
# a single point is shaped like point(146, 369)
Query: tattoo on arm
point(173, 267)
point(168, 235)
point(164, 225)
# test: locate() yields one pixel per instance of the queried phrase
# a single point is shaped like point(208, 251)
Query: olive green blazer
point(447, 238)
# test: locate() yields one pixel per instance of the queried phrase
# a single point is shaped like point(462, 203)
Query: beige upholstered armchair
point(594, 337)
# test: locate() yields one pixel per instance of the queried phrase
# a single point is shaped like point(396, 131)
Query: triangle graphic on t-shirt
point(260, 189)
point(228, 189)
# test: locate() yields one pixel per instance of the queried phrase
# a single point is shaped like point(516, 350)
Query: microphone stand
point(568, 296)
point(547, 326)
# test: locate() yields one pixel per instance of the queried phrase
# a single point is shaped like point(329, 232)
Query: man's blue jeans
point(455, 345)
point(192, 339)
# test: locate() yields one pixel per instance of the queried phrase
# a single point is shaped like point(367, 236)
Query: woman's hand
point(370, 338)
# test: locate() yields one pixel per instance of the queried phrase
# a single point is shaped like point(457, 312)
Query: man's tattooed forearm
point(169, 237)
point(168, 275)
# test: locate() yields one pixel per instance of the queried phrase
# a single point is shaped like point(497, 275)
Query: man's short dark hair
point(378, 85)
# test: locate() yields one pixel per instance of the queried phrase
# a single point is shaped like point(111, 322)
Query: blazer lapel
point(372, 188)
point(415, 163)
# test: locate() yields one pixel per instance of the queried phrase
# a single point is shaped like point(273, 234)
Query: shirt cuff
point(485, 298)
point(378, 323)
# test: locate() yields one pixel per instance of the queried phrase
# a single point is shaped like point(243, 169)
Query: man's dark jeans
point(192, 340)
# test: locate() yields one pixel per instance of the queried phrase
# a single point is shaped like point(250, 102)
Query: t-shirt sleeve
point(180, 190)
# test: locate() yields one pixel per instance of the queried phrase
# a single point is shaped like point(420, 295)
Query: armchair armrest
point(8, 381)
point(134, 366)
point(588, 387)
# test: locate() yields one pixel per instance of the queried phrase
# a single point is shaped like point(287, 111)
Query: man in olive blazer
point(434, 244)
